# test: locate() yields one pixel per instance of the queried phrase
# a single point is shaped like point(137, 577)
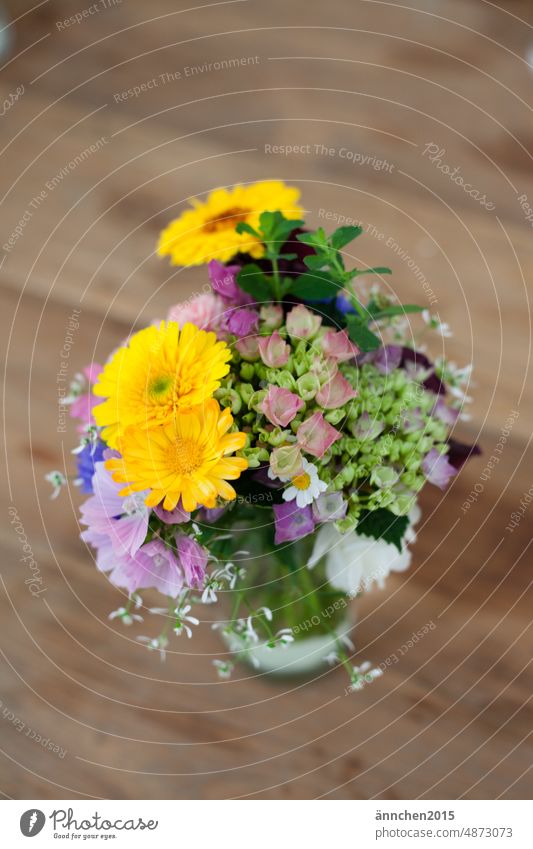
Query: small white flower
point(284, 637)
point(58, 480)
point(306, 487)
point(127, 617)
point(156, 644)
point(332, 658)
point(362, 675)
point(267, 613)
point(182, 619)
point(224, 668)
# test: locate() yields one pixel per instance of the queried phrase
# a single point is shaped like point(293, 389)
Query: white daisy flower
point(306, 486)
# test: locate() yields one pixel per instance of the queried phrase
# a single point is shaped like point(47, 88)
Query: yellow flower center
point(301, 481)
point(227, 220)
point(184, 456)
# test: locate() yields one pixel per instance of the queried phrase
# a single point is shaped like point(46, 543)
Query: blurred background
point(113, 114)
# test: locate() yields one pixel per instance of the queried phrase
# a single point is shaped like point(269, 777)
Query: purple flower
point(193, 560)
point(329, 506)
point(210, 514)
point(443, 412)
point(367, 428)
point(172, 517)
point(91, 454)
point(388, 358)
point(292, 522)
point(124, 520)
point(154, 566)
point(437, 469)
point(224, 282)
point(241, 322)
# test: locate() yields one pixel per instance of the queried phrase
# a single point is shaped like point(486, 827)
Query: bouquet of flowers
point(264, 445)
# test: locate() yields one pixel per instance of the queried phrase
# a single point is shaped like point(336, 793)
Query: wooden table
point(369, 91)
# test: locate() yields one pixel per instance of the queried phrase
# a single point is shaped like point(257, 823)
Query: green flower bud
point(277, 436)
point(246, 391)
point(256, 400)
point(247, 371)
point(229, 398)
point(307, 386)
point(284, 379)
point(335, 416)
point(383, 476)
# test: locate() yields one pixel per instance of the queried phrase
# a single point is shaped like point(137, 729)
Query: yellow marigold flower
point(208, 231)
point(185, 458)
point(159, 372)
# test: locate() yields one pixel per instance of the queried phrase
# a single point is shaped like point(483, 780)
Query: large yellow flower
point(159, 372)
point(185, 458)
point(208, 231)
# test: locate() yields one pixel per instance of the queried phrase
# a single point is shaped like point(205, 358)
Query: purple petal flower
point(292, 522)
point(437, 469)
point(124, 520)
point(367, 428)
point(91, 454)
point(388, 358)
point(224, 282)
point(210, 514)
point(154, 566)
point(193, 560)
point(172, 517)
point(443, 412)
point(241, 322)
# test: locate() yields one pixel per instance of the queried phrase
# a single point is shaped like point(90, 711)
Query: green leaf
point(361, 335)
point(243, 227)
point(315, 261)
point(317, 238)
point(252, 280)
point(401, 309)
point(275, 227)
point(383, 524)
point(343, 235)
point(314, 287)
point(357, 272)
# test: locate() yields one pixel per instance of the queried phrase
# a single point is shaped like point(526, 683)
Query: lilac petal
point(129, 533)
point(388, 358)
point(172, 517)
point(437, 469)
point(329, 507)
point(292, 522)
point(193, 560)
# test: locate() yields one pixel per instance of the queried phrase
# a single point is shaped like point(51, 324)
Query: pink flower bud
point(302, 323)
point(315, 435)
point(280, 405)
point(248, 348)
point(338, 346)
point(271, 316)
point(336, 393)
point(273, 350)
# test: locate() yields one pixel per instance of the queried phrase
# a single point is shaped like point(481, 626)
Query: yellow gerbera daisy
point(185, 458)
point(208, 231)
point(159, 372)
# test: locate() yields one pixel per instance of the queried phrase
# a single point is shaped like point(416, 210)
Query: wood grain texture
point(451, 717)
